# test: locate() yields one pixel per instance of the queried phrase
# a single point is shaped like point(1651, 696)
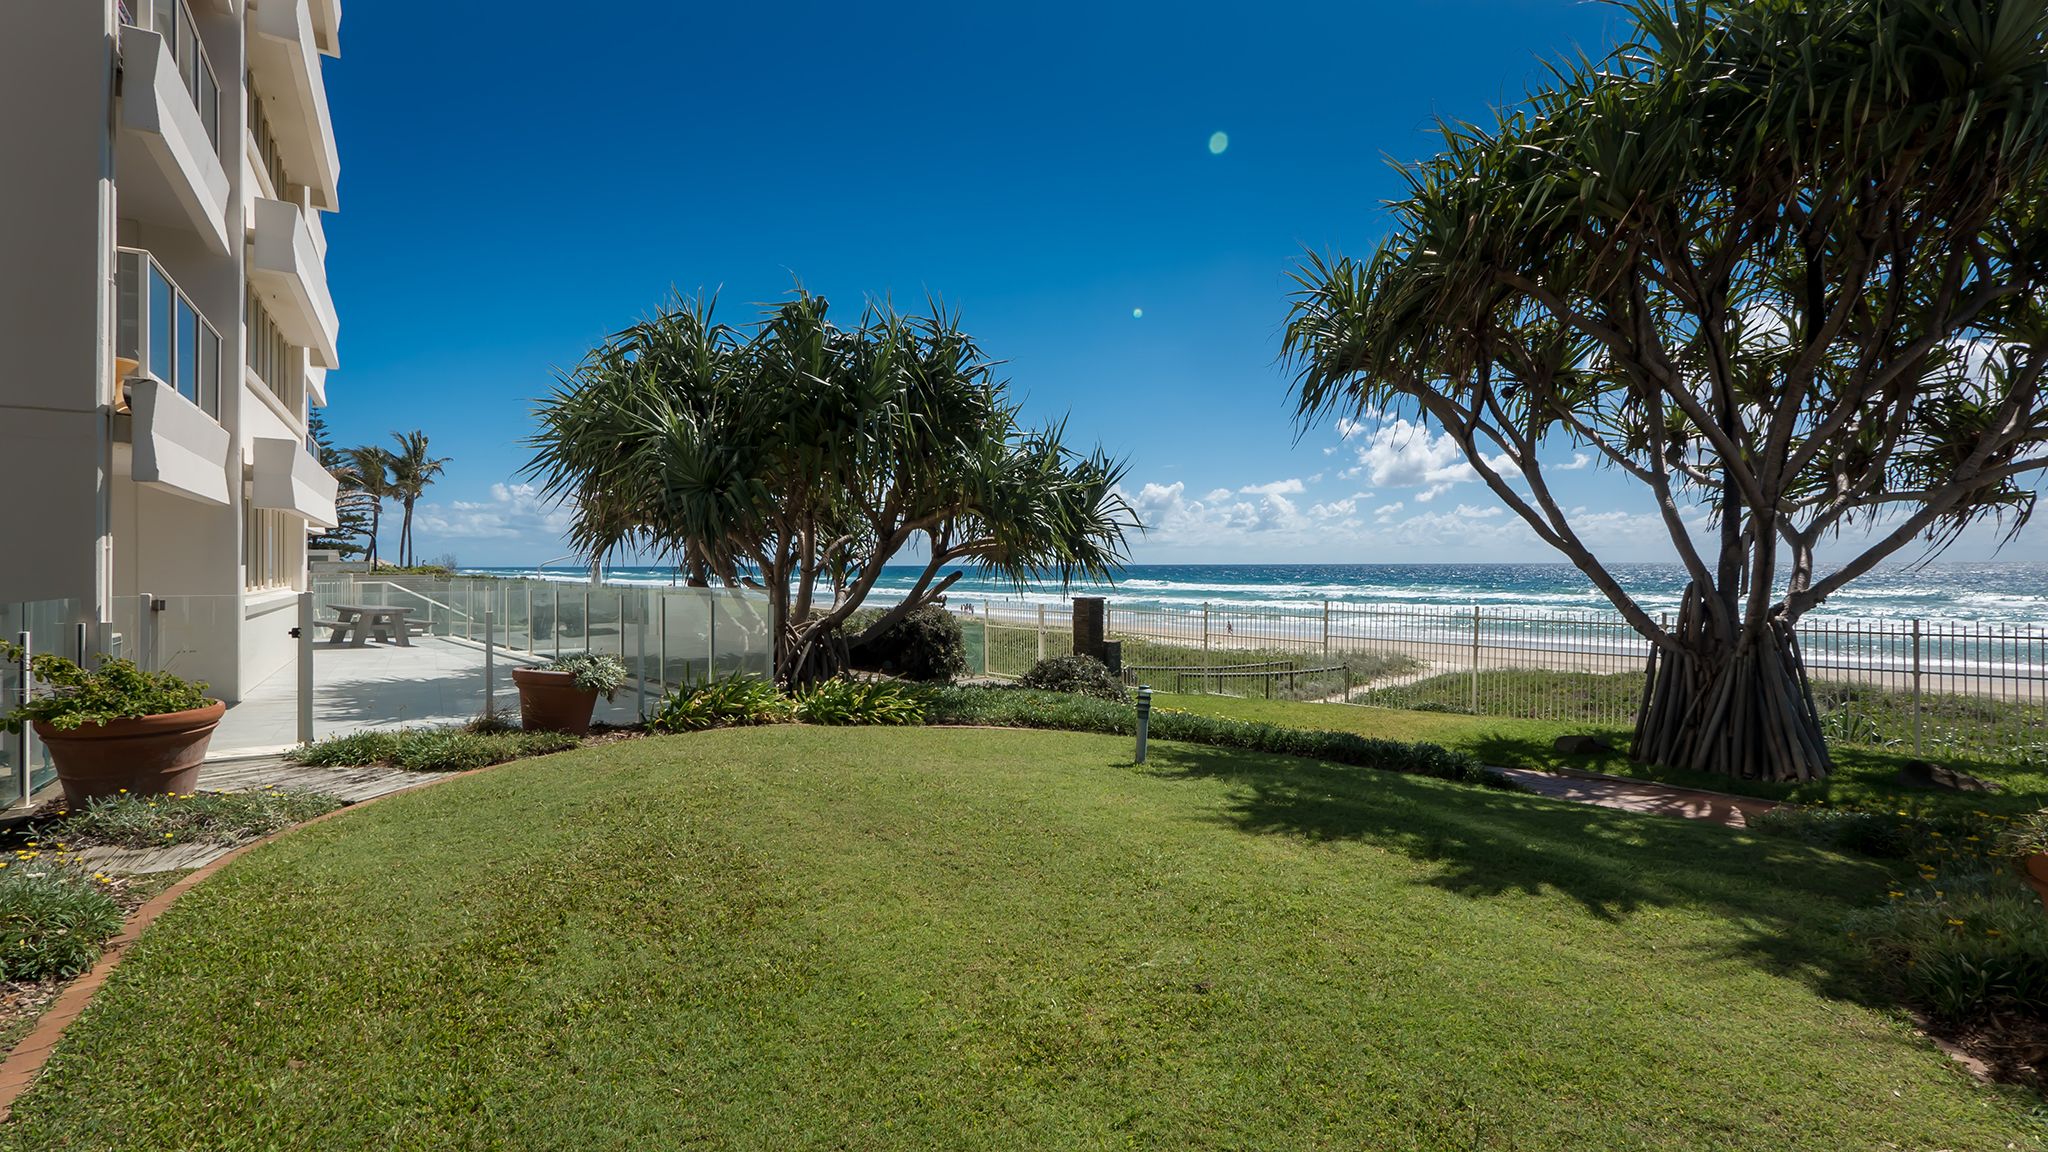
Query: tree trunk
point(1743, 710)
point(376, 516)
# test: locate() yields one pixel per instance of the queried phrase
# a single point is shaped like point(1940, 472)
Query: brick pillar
point(1090, 613)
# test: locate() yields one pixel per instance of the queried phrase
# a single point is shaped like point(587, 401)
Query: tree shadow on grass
point(1785, 899)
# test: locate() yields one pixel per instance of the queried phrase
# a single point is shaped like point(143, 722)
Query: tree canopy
point(1782, 260)
point(800, 457)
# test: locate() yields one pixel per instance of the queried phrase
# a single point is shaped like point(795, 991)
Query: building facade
point(165, 321)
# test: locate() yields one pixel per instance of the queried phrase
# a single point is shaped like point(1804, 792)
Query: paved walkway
point(1641, 796)
point(434, 682)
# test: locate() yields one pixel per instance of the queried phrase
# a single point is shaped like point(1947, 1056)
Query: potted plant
point(117, 727)
point(2027, 841)
point(561, 695)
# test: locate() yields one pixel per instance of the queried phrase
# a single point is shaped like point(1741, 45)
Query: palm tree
point(411, 471)
point(371, 466)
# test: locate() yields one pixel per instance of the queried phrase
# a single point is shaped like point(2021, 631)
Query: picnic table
point(358, 622)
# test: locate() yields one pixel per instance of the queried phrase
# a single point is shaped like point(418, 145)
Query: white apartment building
point(165, 321)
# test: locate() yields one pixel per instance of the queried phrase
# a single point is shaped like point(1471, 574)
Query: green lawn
point(797, 937)
point(1863, 776)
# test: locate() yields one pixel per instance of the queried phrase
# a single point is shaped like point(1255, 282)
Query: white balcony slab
point(284, 56)
point(286, 270)
point(316, 385)
point(327, 26)
point(288, 479)
point(178, 447)
point(169, 171)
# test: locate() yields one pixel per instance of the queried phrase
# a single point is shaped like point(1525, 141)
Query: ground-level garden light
point(1144, 718)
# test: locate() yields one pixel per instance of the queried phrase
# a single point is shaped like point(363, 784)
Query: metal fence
point(64, 627)
point(665, 637)
point(1914, 686)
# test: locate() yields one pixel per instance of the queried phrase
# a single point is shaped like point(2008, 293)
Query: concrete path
point(1641, 796)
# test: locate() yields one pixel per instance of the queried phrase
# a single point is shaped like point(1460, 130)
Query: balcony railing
point(160, 330)
point(172, 19)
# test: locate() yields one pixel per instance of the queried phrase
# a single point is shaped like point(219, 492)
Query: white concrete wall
point(56, 80)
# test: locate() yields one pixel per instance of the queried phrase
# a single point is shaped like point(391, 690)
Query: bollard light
point(1144, 718)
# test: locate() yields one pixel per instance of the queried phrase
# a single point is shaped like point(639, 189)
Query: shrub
point(593, 672)
point(432, 749)
point(454, 750)
point(69, 695)
point(1024, 708)
point(353, 750)
point(1939, 837)
point(731, 702)
point(842, 701)
point(926, 644)
point(1966, 946)
point(53, 918)
point(131, 821)
point(1868, 833)
point(2027, 836)
point(1084, 675)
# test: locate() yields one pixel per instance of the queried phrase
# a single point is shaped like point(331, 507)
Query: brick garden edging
point(25, 1061)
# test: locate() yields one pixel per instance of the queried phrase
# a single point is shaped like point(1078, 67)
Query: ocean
point(1992, 593)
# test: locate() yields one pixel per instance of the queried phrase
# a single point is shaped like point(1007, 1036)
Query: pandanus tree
point(799, 457)
point(1780, 262)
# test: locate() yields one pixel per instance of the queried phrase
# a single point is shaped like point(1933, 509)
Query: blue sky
point(514, 188)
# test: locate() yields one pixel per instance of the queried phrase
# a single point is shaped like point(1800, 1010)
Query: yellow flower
point(1954, 923)
point(1993, 932)
point(1895, 895)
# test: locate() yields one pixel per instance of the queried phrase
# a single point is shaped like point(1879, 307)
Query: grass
point(793, 937)
point(1863, 777)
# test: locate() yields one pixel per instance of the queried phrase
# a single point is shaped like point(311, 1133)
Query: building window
point(266, 144)
point(270, 548)
point(172, 19)
point(159, 328)
point(274, 359)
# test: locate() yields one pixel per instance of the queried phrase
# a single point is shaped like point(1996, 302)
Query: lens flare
point(1137, 313)
point(1218, 141)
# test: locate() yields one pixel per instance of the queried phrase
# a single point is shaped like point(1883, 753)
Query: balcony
point(288, 479)
point(159, 333)
point(165, 151)
point(284, 57)
point(178, 448)
point(287, 272)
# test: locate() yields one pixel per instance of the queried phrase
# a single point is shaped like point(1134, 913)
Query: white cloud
point(1579, 460)
point(1405, 455)
point(1272, 488)
point(513, 511)
point(1347, 427)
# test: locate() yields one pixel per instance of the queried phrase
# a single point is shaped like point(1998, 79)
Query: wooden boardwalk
point(352, 785)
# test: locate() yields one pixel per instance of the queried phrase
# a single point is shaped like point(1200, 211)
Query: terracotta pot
point(148, 755)
point(2036, 875)
point(551, 702)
